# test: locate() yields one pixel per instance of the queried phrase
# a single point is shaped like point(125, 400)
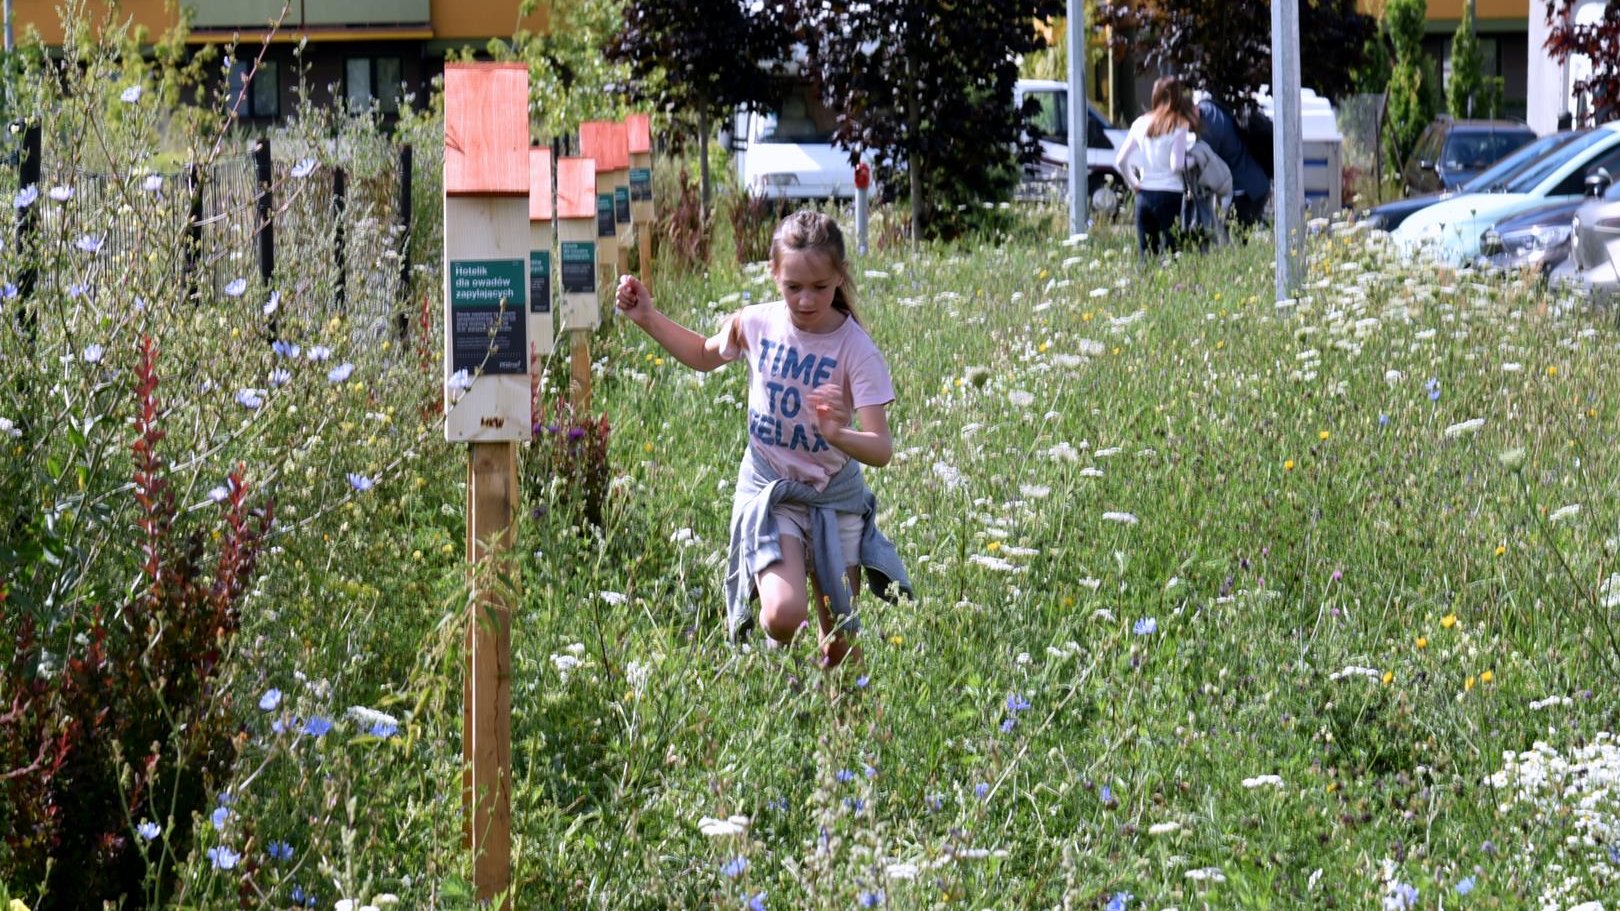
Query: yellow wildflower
point(1389, 677)
point(1288, 465)
point(1322, 435)
point(1448, 621)
point(1486, 677)
point(1422, 642)
point(993, 546)
point(1501, 549)
point(1468, 684)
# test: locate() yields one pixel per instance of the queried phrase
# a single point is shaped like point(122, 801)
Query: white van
point(1104, 182)
point(787, 151)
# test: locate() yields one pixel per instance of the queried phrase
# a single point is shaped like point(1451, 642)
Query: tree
point(1469, 92)
point(701, 57)
point(1413, 96)
point(1599, 42)
point(927, 85)
point(1224, 48)
point(570, 80)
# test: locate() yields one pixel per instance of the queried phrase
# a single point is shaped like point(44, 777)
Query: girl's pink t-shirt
point(784, 364)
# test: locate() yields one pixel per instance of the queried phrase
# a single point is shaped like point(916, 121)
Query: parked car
point(1450, 231)
point(1389, 216)
point(1104, 183)
point(1451, 152)
point(1595, 240)
point(787, 152)
point(1536, 239)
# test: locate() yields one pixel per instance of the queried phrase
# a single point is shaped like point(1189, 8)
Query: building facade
point(354, 52)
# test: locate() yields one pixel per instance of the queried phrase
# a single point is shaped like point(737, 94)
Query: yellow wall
point(469, 19)
point(451, 19)
point(1441, 10)
point(42, 15)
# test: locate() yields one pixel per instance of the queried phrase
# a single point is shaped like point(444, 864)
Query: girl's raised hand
point(832, 414)
point(633, 299)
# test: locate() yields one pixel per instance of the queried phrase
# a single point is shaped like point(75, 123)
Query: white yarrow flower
point(614, 598)
point(1124, 518)
point(722, 828)
point(1163, 828)
point(1259, 780)
point(1468, 426)
point(1565, 512)
point(1020, 398)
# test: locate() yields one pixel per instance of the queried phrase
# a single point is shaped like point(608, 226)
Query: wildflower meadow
point(1222, 602)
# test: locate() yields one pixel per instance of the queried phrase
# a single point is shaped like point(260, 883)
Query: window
point(258, 96)
point(1051, 118)
point(368, 79)
point(800, 118)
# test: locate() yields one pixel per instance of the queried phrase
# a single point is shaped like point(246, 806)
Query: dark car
point(1537, 239)
point(1452, 152)
point(1594, 260)
point(1389, 215)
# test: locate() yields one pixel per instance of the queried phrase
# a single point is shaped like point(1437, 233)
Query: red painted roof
point(607, 142)
point(639, 126)
point(486, 129)
point(576, 188)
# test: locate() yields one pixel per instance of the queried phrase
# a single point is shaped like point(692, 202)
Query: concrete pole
point(1079, 120)
point(1289, 193)
point(10, 34)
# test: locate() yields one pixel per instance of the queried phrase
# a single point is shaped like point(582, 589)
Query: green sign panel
point(539, 281)
point(640, 184)
point(604, 215)
point(579, 267)
point(621, 204)
point(486, 316)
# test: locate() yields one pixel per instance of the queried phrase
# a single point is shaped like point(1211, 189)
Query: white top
point(1160, 158)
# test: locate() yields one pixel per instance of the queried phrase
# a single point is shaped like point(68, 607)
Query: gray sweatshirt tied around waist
point(756, 542)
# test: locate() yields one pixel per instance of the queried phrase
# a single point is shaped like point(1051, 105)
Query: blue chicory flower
point(317, 726)
point(279, 850)
point(1146, 626)
point(757, 903)
point(223, 858)
point(270, 701)
point(148, 829)
point(734, 867)
point(844, 776)
point(871, 899)
point(1017, 703)
point(383, 730)
point(980, 790)
point(218, 818)
point(1120, 901)
point(1465, 885)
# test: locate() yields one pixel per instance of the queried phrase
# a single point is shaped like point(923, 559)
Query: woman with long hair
point(1158, 143)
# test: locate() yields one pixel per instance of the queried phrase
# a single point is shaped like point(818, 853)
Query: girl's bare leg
point(783, 605)
point(839, 646)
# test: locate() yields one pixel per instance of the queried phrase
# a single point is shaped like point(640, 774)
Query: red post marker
point(863, 176)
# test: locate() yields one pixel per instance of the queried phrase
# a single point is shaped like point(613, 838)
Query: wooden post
point(340, 205)
point(28, 226)
point(542, 326)
point(486, 247)
point(407, 160)
point(194, 230)
point(581, 309)
point(639, 128)
point(607, 143)
point(266, 208)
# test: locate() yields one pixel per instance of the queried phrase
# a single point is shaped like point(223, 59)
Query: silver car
point(1595, 238)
